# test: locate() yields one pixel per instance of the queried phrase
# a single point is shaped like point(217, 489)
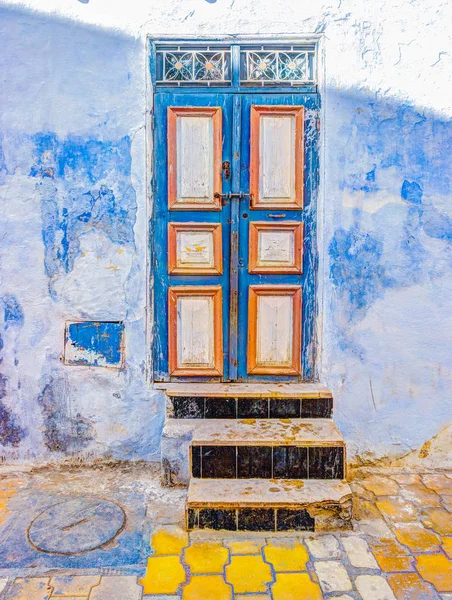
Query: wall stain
point(356, 269)
point(12, 311)
point(11, 434)
point(62, 432)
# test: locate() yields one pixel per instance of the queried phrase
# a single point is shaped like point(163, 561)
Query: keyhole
point(245, 215)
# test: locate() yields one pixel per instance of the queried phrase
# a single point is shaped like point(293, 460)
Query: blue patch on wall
point(94, 344)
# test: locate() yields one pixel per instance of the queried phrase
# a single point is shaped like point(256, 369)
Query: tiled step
point(203, 407)
point(259, 448)
point(268, 505)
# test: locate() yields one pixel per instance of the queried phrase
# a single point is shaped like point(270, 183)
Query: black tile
point(290, 462)
point(254, 462)
point(256, 519)
point(252, 408)
point(217, 518)
point(317, 408)
point(192, 520)
point(196, 461)
point(288, 408)
point(326, 462)
point(188, 408)
point(218, 462)
point(294, 520)
point(220, 408)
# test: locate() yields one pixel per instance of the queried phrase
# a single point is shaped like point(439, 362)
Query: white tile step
point(261, 493)
point(255, 432)
point(246, 390)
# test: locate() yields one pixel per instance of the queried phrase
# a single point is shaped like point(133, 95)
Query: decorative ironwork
point(278, 66)
point(194, 66)
point(222, 64)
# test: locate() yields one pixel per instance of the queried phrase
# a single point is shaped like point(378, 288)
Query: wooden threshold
point(245, 390)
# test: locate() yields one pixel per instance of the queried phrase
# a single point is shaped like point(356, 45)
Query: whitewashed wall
point(73, 82)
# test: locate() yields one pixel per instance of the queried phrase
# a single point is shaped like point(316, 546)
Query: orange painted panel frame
point(253, 260)
point(194, 111)
point(256, 113)
point(196, 269)
point(174, 293)
point(295, 291)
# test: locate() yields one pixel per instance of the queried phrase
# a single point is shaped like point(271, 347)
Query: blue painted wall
point(74, 224)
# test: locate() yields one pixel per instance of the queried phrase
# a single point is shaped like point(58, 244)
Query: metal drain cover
point(76, 526)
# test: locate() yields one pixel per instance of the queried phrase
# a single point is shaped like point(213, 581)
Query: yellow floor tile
point(295, 586)
point(391, 556)
point(252, 597)
point(164, 575)
point(439, 520)
point(439, 483)
point(245, 546)
point(206, 557)
point(397, 509)
point(286, 556)
point(208, 587)
point(436, 569)
point(446, 543)
point(409, 586)
point(416, 537)
point(381, 486)
point(170, 540)
point(248, 574)
point(418, 493)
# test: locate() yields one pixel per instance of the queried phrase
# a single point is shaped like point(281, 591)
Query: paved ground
point(400, 547)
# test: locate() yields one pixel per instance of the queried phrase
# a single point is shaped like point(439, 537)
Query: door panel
point(276, 157)
point(275, 247)
point(195, 249)
point(274, 330)
point(195, 331)
point(194, 158)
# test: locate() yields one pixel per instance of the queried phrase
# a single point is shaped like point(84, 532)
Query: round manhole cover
point(76, 526)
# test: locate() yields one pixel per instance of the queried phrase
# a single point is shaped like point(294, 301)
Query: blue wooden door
point(233, 230)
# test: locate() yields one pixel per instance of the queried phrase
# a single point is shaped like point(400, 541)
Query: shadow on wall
point(388, 229)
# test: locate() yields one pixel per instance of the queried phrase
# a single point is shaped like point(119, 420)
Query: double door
point(233, 236)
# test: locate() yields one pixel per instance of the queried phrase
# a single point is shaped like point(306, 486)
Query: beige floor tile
point(79, 585)
point(30, 588)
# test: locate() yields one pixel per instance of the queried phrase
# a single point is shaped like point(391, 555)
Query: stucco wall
point(74, 217)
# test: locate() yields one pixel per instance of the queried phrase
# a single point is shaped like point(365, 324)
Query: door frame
point(318, 40)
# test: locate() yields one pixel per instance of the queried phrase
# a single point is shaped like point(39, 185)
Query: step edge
point(190, 427)
point(186, 389)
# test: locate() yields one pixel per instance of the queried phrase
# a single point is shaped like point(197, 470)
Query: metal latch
point(230, 195)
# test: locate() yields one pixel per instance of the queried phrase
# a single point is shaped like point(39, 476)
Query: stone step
point(268, 505)
point(252, 448)
point(257, 432)
point(204, 407)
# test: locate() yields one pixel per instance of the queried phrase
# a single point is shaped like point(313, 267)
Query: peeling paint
point(98, 344)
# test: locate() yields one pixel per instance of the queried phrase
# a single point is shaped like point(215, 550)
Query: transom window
point(255, 65)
